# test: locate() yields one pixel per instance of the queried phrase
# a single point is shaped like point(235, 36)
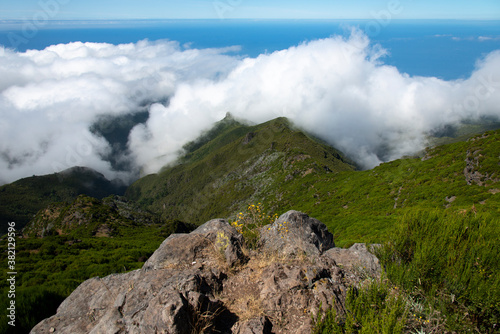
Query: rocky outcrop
point(207, 281)
point(248, 138)
point(472, 169)
point(358, 260)
point(212, 239)
point(88, 216)
point(471, 173)
point(295, 232)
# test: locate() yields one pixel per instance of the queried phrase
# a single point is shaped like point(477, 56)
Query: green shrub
point(452, 262)
point(376, 308)
point(32, 304)
point(249, 222)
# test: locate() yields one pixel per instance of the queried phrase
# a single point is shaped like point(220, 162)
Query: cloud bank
point(49, 99)
point(337, 88)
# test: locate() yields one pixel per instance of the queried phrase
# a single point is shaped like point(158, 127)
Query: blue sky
point(264, 9)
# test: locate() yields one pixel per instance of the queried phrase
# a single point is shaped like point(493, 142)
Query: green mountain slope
point(22, 199)
point(284, 168)
point(232, 166)
point(87, 217)
point(364, 205)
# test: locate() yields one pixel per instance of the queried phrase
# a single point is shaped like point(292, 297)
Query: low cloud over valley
point(337, 88)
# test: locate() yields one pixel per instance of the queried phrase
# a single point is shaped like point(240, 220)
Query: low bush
point(450, 261)
point(375, 308)
point(250, 221)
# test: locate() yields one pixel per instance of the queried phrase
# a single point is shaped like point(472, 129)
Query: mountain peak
point(228, 117)
point(232, 164)
point(80, 170)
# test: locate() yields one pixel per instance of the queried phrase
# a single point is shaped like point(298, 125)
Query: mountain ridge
point(22, 199)
point(235, 163)
point(236, 167)
point(284, 176)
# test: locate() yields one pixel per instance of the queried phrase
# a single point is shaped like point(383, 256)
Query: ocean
point(447, 49)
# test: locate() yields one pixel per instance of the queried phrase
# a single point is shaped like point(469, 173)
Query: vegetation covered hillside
point(282, 167)
point(22, 199)
point(362, 206)
point(234, 165)
point(437, 215)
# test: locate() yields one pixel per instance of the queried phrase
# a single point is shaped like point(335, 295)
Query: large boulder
point(202, 282)
point(172, 293)
point(184, 250)
point(358, 259)
point(135, 302)
point(295, 232)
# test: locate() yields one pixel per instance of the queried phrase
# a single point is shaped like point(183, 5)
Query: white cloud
point(472, 38)
point(50, 98)
point(488, 38)
point(336, 88)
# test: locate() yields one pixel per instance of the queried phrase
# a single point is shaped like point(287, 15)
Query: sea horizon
point(443, 48)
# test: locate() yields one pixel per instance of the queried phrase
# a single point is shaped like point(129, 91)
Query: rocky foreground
point(209, 281)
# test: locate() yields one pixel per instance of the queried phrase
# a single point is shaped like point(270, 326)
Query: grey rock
point(157, 301)
point(233, 253)
point(260, 325)
point(182, 250)
point(189, 285)
point(356, 258)
point(295, 232)
point(216, 225)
